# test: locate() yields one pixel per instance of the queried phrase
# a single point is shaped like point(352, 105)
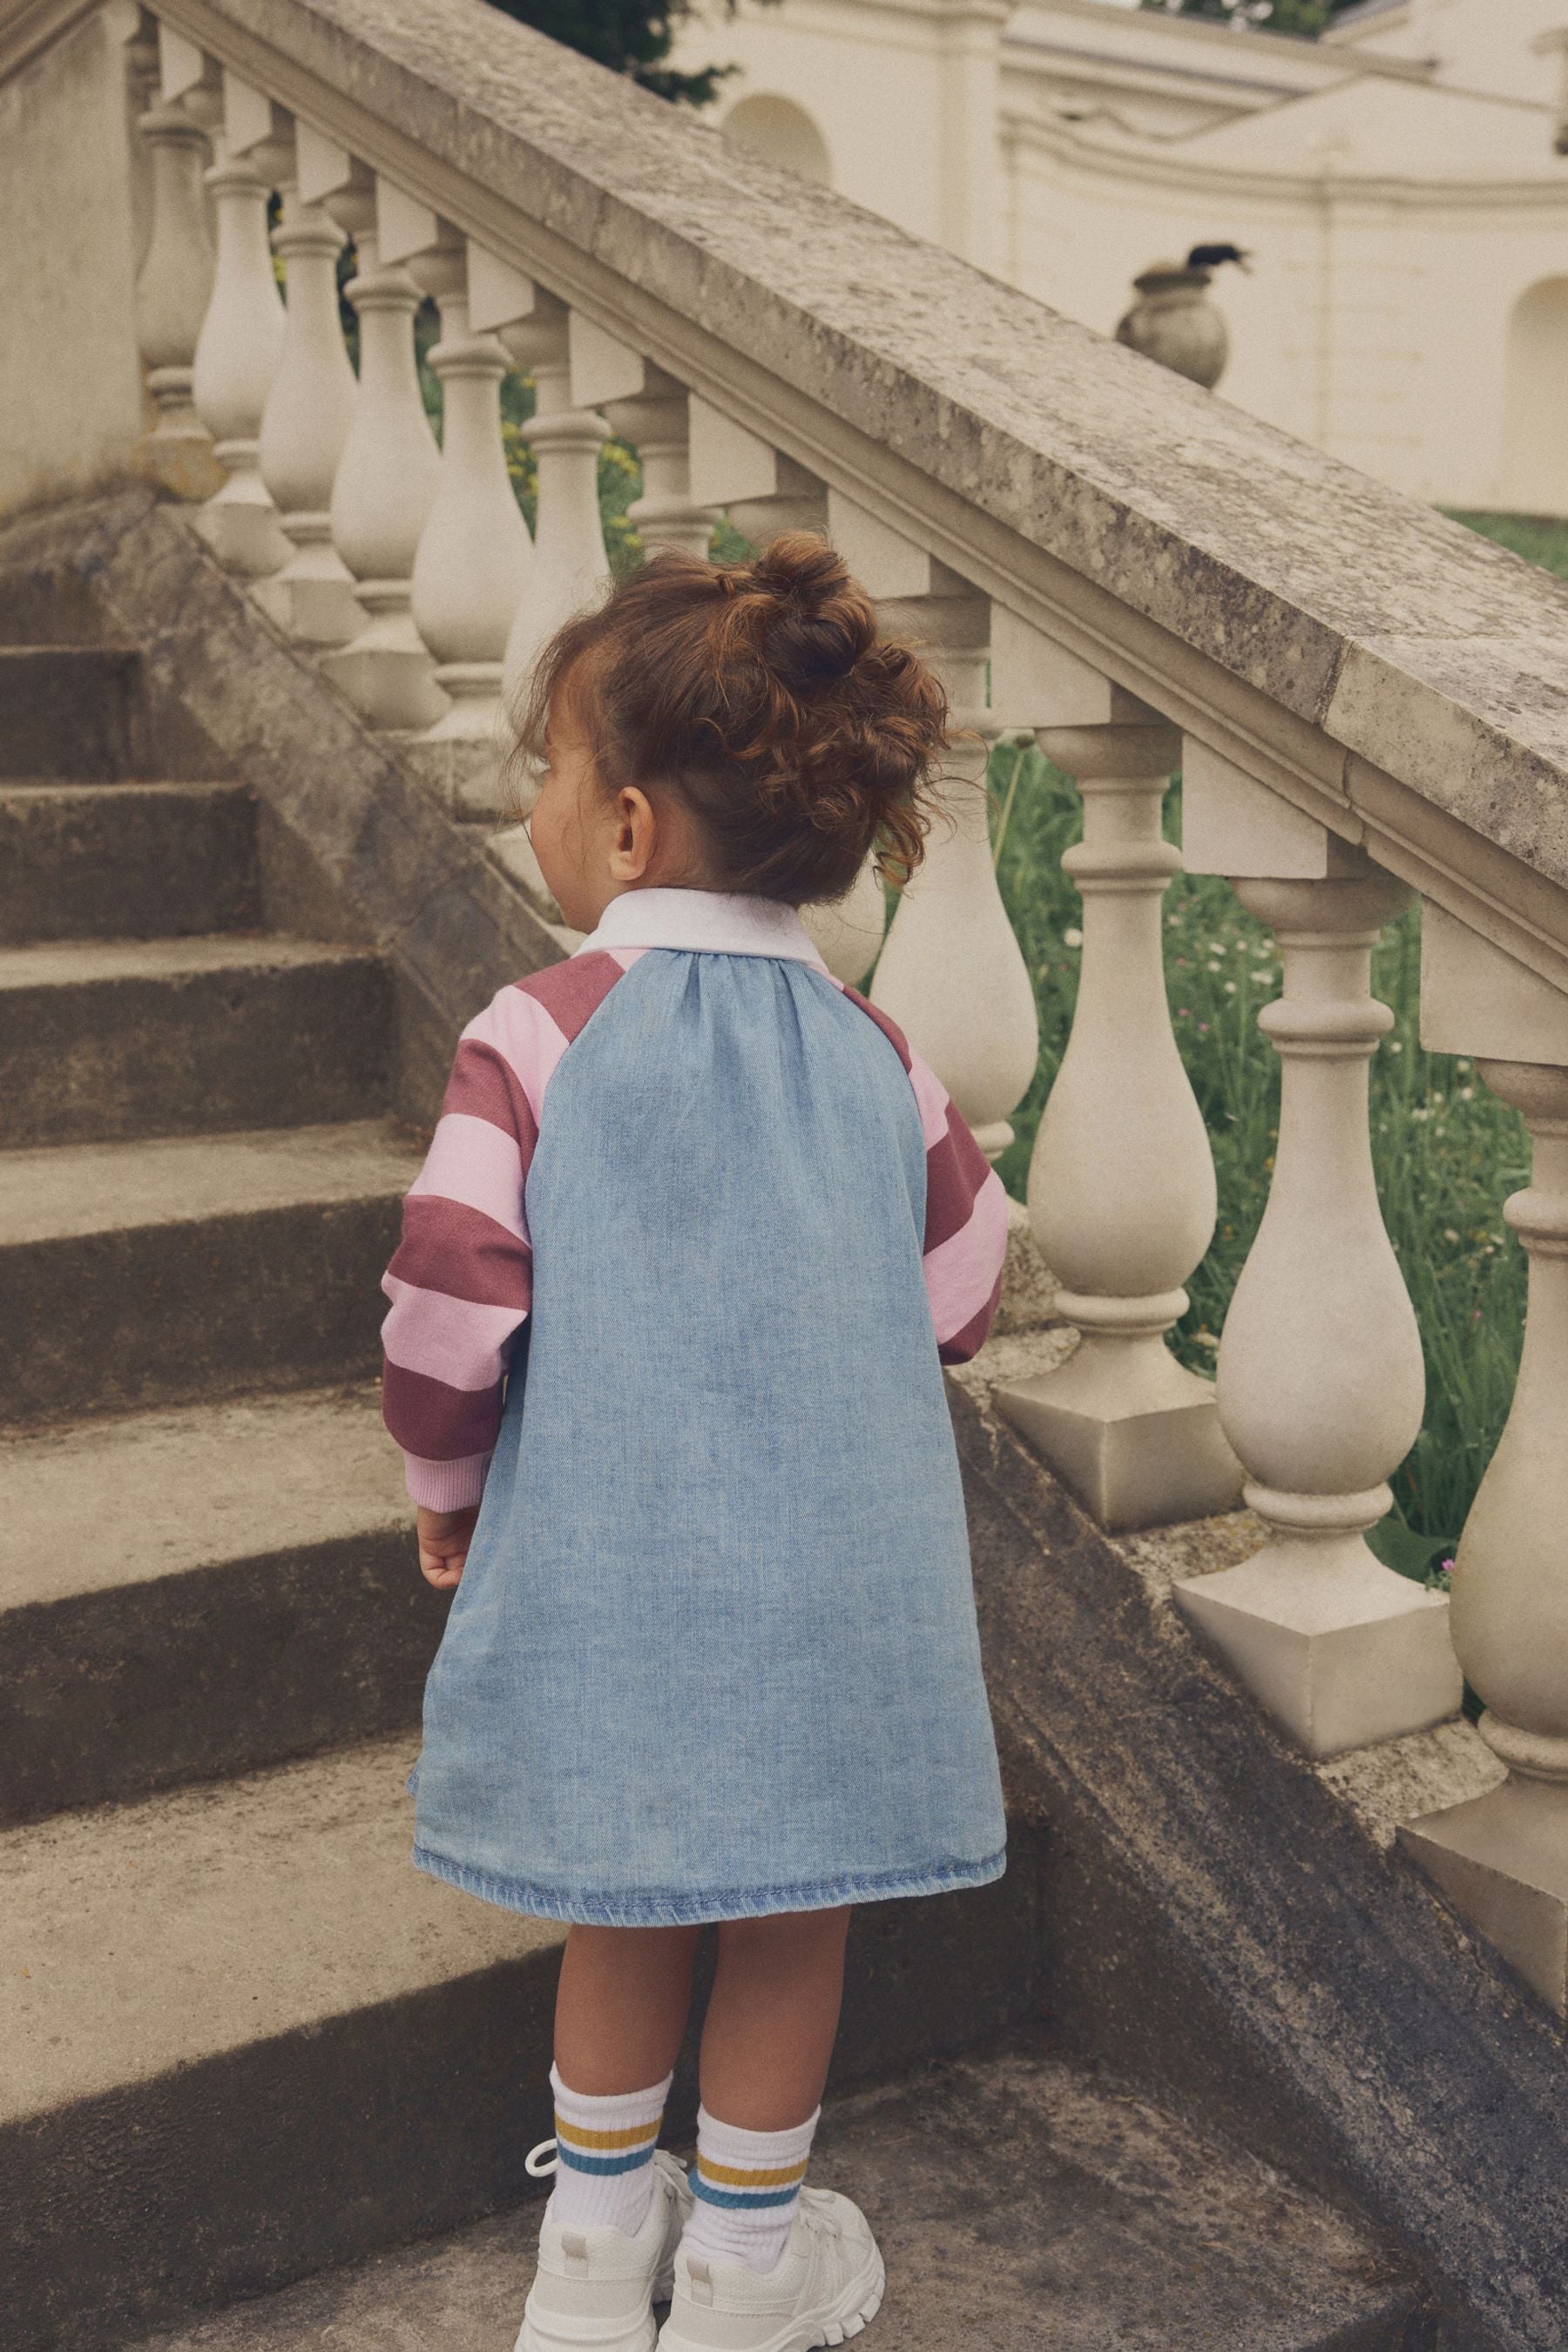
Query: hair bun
point(822, 622)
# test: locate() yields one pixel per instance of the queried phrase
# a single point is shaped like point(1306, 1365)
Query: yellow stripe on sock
point(730, 2175)
point(633, 2136)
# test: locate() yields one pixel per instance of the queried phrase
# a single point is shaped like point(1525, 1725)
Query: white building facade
point(1398, 185)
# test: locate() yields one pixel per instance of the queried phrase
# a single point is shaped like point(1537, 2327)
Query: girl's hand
point(444, 1540)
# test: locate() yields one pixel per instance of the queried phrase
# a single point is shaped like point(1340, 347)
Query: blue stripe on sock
point(740, 2198)
point(576, 2161)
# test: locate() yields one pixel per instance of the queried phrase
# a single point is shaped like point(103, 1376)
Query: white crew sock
point(604, 2157)
point(748, 2187)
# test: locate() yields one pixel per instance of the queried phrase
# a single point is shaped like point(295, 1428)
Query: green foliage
point(1446, 1151)
point(1539, 539)
point(630, 36)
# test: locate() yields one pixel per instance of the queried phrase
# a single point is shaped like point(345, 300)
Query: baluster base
point(463, 773)
point(178, 452)
point(387, 671)
point(1340, 1651)
point(239, 523)
point(312, 598)
point(1132, 1433)
point(1502, 1860)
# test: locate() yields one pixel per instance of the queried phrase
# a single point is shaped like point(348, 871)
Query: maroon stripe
point(572, 991)
point(890, 1029)
point(956, 1170)
point(437, 1423)
point(463, 1254)
point(968, 1342)
point(483, 1084)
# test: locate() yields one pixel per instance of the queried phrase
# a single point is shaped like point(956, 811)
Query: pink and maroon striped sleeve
point(461, 1282)
point(965, 1238)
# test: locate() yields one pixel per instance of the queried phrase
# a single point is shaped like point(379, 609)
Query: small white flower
point(1466, 1094)
point(1450, 1234)
point(1396, 1045)
point(1172, 921)
point(1211, 966)
point(1230, 988)
point(1072, 939)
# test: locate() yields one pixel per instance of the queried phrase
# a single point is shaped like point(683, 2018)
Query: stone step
point(1021, 2205)
point(68, 711)
point(125, 861)
point(194, 1267)
point(102, 1041)
point(246, 2041)
point(207, 1591)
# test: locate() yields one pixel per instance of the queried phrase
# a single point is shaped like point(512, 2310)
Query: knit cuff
point(445, 1485)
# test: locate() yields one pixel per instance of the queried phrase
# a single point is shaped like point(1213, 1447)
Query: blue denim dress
point(714, 1650)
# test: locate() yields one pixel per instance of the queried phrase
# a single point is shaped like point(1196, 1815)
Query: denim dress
point(713, 1654)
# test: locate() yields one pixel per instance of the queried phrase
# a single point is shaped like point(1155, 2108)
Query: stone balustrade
point(1356, 697)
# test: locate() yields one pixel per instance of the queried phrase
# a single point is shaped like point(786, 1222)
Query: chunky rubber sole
point(859, 2303)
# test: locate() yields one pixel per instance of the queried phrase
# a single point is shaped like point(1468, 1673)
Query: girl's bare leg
point(772, 2018)
point(621, 2007)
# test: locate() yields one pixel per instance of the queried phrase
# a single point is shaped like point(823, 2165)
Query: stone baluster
point(1319, 1379)
point(650, 410)
point(1121, 1184)
point(236, 357)
point(310, 404)
point(141, 77)
point(571, 568)
point(763, 493)
point(387, 479)
point(175, 278)
point(951, 974)
point(1503, 1857)
point(474, 558)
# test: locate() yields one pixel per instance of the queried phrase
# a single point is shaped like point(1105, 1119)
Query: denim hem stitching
point(654, 1908)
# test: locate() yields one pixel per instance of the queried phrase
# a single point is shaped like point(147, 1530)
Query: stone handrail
point(1362, 699)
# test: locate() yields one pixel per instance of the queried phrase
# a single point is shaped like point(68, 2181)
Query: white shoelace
point(531, 2166)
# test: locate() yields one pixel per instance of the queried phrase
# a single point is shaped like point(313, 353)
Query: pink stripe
point(454, 1340)
point(931, 1096)
point(966, 1344)
point(961, 1272)
point(517, 1027)
point(471, 1162)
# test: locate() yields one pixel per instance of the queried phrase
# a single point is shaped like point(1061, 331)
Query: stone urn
point(1173, 322)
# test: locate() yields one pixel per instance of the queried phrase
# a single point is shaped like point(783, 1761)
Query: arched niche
point(783, 132)
point(1535, 413)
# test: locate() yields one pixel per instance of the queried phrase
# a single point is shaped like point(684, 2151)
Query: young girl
point(696, 1232)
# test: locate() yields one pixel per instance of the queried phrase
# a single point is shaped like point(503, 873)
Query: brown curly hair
point(800, 741)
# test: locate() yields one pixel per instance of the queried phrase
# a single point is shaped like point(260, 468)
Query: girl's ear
point(635, 835)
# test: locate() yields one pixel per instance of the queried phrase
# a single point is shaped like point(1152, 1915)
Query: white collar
point(717, 922)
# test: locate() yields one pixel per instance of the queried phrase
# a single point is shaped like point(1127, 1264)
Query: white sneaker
point(828, 2283)
point(595, 2289)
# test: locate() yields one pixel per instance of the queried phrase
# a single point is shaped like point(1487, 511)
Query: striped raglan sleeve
point(967, 1223)
point(461, 1282)
point(965, 1239)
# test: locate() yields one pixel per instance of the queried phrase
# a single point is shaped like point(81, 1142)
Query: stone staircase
point(242, 2044)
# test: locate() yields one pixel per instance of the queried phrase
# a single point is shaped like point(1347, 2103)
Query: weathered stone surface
point(100, 1039)
point(1020, 2203)
point(1222, 1922)
point(153, 1273)
point(225, 694)
point(205, 1592)
point(1031, 450)
point(248, 2041)
point(125, 861)
point(67, 711)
